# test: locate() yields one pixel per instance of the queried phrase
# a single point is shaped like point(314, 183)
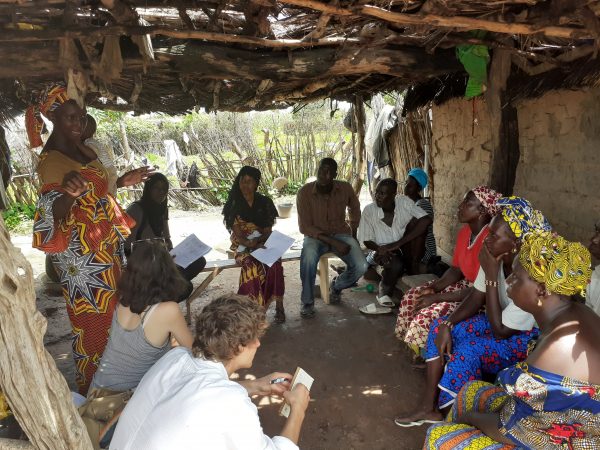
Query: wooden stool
point(324, 275)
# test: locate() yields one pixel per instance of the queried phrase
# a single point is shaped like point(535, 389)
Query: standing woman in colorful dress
point(80, 224)
point(249, 216)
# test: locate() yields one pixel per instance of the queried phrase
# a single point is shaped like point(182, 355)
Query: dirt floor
point(363, 377)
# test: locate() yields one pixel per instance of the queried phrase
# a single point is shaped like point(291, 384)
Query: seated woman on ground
point(249, 216)
point(146, 318)
point(552, 399)
point(151, 214)
point(422, 304)
point(466, 344)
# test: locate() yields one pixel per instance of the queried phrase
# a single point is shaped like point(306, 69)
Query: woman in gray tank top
point(145, 319)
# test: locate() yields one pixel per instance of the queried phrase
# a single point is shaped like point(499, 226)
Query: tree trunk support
point(36, 391)
point(358, 158)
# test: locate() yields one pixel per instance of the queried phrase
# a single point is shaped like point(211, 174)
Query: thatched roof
point(155, 55)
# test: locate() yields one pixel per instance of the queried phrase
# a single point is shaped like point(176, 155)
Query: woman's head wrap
point(419, 174)
point(564, 267)
point(488, 198)
point(49, 100)
point(521, 217)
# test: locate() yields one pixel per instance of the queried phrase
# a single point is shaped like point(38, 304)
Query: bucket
point(285, 210)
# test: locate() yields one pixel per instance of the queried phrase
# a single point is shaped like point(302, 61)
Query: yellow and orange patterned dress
point(87, 251)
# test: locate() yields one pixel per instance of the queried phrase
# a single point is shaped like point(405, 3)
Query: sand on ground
point(363, 377)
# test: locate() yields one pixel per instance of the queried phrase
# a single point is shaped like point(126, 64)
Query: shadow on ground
point(363, 377)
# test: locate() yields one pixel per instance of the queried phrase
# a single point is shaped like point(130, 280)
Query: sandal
point(373, 308)
point(279, 316)
point(415, 423)
point(385, 301)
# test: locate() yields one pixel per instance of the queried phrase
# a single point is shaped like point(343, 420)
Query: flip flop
point(373, 308)
point(416, 423)
point(385, 301)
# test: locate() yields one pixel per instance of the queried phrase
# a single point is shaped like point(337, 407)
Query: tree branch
point(120, 30)
point(455, 22)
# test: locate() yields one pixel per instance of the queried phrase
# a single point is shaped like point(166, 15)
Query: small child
point(104, 153)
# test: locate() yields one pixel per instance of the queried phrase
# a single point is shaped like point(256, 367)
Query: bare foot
point(419, 417)
point(418, 366)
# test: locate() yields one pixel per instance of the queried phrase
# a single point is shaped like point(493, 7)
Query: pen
point(279, 380)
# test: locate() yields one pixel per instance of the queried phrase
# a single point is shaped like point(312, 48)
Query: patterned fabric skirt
point(260, 282)
point(476, 396)
point(475, 351)
point(412, 326)
point(89, 285)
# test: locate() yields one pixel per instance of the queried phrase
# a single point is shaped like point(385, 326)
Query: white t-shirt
point(512, 316)
point(189, 403)
point(592, 295)
point(372, 228)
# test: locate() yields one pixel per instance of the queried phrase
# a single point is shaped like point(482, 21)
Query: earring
point(514, 250)
point(539, 301)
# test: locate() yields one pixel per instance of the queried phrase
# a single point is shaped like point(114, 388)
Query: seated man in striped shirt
point(383, 230)
point(421, 250)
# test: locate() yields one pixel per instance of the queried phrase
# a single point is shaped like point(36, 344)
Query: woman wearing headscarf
point(422, 304)
point(466, 344)
point(420, 250)
point(552, 399)
point(151, 214)
point(249, 216)
point(80, 224)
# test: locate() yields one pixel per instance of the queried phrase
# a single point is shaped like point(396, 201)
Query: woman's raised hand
point(74, 184)
point(135, 176)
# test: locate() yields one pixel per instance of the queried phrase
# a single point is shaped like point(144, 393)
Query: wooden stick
point(134, 30)
point(456, 22)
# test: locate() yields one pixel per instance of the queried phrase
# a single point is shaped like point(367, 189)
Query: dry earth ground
point(362, 373)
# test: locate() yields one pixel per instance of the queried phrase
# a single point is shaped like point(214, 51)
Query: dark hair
point(90, 126)
point(262, 213)
point(150, 277)
point(329, 162)
point(389, 182)
point(225, 324)
point(154, 213)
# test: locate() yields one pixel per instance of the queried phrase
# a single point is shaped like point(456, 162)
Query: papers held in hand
point(300, 377)
point(189, 250)
point(277, 244)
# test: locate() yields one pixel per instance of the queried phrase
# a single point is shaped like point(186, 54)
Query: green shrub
point(16, 214)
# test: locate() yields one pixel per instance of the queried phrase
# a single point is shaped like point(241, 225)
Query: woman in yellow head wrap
point(552, 399)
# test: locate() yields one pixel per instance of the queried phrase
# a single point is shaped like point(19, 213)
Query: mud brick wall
point(460, 157)
point(559, 166)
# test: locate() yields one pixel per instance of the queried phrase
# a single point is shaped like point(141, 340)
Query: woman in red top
point(422, 304)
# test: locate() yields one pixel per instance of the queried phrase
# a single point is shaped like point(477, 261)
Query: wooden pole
point(154, 30)
point(36, 391)
point(359, 162)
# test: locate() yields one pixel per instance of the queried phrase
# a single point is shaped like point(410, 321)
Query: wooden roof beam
point(119, 30)
point(455, 22)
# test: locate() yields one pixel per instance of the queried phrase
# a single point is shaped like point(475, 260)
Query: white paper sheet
point(300, 377)
point(277, 244)
point(189, 250)
point(255, 234)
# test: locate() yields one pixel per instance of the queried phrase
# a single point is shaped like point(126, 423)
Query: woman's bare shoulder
point(571, 348)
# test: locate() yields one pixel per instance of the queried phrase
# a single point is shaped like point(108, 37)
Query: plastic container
point(285, 210)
